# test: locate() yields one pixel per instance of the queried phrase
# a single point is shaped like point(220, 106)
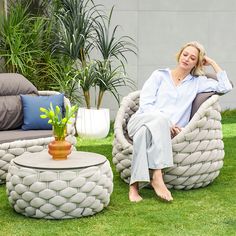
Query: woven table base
point(61, 193)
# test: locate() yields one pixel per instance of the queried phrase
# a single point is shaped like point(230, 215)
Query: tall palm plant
point(110, 79)
point(109, 45)
point(113, 50)
point(81, 28)
point(75, 37)
point(87, 77)
point(76, 26)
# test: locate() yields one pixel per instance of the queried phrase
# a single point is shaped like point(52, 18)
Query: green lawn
point(207, 211)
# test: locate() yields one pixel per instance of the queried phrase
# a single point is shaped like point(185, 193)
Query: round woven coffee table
point(40, 187)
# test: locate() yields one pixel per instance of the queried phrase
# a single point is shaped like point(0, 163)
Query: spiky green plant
point(75, 19)
point(24, 42)
point(109, 80)
point(109, 45)
point(112, 75)
point(87, 77)
point(62, 77)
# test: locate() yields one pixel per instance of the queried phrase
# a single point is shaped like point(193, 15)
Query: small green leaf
point(64, 120)
point(58, 109)
point(51, 113)
point(43, 116)
point(42, 109)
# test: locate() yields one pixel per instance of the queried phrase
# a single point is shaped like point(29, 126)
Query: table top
point(76, 160)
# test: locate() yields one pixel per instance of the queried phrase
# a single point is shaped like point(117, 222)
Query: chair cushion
point(197, 102)
point(31, 112)
point(8, 136)
point(12, 85)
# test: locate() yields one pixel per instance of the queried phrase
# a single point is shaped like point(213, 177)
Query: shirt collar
point(188, 77)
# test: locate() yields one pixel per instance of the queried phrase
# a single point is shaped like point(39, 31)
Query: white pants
point(152, 147)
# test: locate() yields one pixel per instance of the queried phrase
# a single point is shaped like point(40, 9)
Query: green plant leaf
point(43, 116)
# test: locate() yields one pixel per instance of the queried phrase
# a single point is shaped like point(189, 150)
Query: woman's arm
point(210, 62)
point(149, 92)
point(221, 85)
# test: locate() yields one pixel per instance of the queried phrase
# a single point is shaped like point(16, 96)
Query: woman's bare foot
point(160, 187)
point(133, 193)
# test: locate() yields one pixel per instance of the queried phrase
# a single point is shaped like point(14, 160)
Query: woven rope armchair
point(198, 150)
point(10, 150)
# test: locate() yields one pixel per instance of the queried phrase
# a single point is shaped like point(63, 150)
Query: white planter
point(93, 123)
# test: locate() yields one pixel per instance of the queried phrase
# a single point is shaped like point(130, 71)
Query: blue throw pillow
point(31, 112)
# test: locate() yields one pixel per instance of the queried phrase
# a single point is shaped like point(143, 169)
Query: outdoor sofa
point(15, 141)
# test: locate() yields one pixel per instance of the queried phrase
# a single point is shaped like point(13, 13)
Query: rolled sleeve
point(221, 85)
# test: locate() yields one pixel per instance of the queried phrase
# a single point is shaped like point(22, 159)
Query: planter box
point(93, 123)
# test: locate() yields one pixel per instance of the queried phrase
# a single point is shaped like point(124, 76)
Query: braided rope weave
point(198, 151)
point(59, 194)
point(9, 151)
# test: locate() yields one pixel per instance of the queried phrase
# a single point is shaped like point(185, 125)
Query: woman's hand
point(207, 61)
point(174, 130)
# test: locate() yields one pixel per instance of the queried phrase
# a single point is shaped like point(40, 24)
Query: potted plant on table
point(80, 33)
point(59, 148)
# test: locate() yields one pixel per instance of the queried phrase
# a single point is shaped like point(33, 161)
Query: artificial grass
point(205, 211)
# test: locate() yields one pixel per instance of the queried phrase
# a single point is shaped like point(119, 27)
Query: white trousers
point(152, 147)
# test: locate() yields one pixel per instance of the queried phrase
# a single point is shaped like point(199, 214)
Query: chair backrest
point(11, 86)
point(197, 102)
point(202, 97)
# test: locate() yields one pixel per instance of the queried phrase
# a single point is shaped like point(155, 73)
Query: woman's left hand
point(207, 61)
point(175, 130)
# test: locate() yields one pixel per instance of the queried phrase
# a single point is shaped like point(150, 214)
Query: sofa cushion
point(12, 85)
point(15, 84)
point(8, 136)
point(31, 112)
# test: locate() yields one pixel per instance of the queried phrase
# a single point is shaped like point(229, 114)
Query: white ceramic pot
point(93, 123)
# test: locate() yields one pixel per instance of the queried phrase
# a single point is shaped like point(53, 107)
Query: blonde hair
point(198, 69)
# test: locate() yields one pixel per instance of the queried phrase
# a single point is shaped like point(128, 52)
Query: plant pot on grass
point(93, 123)
point(80, 32)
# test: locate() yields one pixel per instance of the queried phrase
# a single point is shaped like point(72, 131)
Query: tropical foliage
point(83, 29)
point(52, 42)
point(24, 41)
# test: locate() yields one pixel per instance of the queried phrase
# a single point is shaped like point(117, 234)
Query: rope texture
point(198, 151)
point(59, 194)
point(9, 151)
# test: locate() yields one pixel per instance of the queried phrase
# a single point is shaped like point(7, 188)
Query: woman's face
point(188, 58)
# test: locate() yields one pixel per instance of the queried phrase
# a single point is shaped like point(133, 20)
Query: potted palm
point(82, 31)
point(59, 148)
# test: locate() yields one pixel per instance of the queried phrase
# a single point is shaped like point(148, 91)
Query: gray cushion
point(202, 97)
point(199, 99)
point(16, 135)
point(15, 84)
point(12, 85)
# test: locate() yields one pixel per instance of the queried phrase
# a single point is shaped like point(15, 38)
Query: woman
point(165, 106)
